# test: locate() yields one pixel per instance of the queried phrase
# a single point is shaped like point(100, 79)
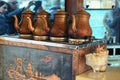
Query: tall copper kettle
point(59, 29)
point(22, 27)
point(40, 28)
point(80, 27)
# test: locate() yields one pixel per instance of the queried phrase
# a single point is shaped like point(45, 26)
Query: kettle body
point(59, 28)
point(40, 29)
point(80, 30)
point(22, 26)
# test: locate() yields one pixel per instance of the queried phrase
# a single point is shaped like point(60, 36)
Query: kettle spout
point(46, 25)
point(30, 27)
point(16, 24)
point(74, 23)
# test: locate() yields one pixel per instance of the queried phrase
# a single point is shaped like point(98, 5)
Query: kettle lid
point(83, 12)
point(61, 12)
point(27, 11)
point(43, 12)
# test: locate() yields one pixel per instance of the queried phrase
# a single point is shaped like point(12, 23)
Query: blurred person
point(116, 23)
point(108, 19)
point(111, 24)
point(116, 26)
point(38, 6)
point(13, 5)
point(52, 12)
point(3, 22)
point(3, 7)
point(15, 10)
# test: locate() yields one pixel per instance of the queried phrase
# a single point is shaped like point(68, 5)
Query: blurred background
point(96, 8)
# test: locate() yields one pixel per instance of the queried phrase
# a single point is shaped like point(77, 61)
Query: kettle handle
point(74, 23)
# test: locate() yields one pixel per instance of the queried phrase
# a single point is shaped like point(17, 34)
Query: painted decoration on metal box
point(29, 64)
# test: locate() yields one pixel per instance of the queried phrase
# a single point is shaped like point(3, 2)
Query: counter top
point(112, 73)
point(15, 40)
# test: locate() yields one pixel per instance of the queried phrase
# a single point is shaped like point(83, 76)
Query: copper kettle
point(22, 27)
point(40, 28)
point(59, 28)
point(80, 27)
